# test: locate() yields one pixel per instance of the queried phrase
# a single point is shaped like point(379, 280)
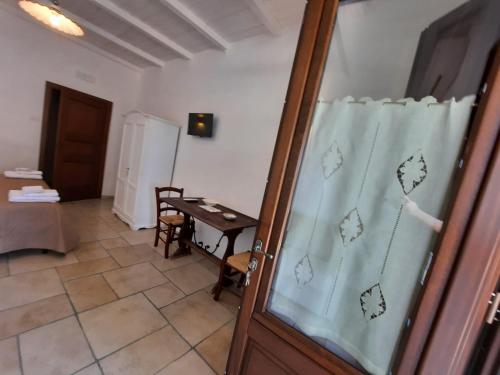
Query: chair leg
point(168, 240)
point(157, 236)
point(218, 287)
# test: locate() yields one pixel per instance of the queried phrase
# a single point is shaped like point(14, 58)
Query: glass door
point(377, 172)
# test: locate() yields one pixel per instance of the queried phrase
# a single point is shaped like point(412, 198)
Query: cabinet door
point(135, 162)
point(123, 168)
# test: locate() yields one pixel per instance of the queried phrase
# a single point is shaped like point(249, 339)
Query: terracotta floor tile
point(133, 279)
point(91, 370)
point(58, 348)
point(29, 287)
point(9, 357)
point(163, 295)
point(90, 251)
point(136, 237)
point(215, 348)
point(89, 292)
point(211, 266)
point(90, 234)
point(23, 318)
point(110, 218)
point(113, 242)
point(119, 227)
point(171, 263)
point(190, 363)
point(109, 327)
point(196, 316)
point(106, 234)
point(34, 260)
point(191, 278)
point(88, 268)
point(147, 355)
point(4, 269)
point(115, 223)
point(129, 255)
point(229, 300)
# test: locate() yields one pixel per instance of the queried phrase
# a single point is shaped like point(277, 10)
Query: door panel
point(128, 133)
point(272, 355)
point(81, 145)
point(84, 121)
point(136, 155)
point(120, 195)
point(358, 200)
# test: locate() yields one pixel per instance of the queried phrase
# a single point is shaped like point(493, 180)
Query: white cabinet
point(147, 158)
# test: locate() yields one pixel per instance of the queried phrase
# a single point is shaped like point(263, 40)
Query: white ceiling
point(150, 32)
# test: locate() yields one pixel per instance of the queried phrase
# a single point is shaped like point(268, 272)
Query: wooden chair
point(170, 222)
point(238, 263)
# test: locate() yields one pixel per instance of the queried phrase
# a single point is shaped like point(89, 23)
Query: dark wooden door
point(80, 144)
point(452, 48)
point(265, 343)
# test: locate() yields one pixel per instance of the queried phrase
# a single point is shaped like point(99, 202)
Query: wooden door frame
point(312, 51)
point(305, 81)
point(49, 87)
point(475, 274)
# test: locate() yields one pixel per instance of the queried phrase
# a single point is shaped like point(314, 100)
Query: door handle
point(254, 262)
point(258, 249)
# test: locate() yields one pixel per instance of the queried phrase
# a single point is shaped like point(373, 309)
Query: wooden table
point(230, 229)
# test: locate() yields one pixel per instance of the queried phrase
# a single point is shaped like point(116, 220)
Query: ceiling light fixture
point(51, 16)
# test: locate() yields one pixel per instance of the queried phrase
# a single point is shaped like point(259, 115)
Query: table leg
point(185, 234)
point(225, 271)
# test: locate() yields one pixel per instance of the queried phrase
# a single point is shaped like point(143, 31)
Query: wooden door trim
point(295, 362)
point(304, 344)
point(298, 141)
point(302, 70)
point(484, 132)
point(108, 107)
point(304, 85)
point(476, 273)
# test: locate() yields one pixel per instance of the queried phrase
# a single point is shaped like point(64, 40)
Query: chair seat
point(239, 261)
point(172, 219)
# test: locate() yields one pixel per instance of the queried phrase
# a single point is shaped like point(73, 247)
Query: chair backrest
point(170, 190)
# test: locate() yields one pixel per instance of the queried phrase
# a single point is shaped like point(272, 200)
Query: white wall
point(31, 55)
point(245, 88)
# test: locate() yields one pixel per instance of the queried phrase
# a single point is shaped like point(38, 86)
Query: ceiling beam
point(15, 11)
point(144, 27)
point(264, 16)
point(196, 22)
point(113, 38)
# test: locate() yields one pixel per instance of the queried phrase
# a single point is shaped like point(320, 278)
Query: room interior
point(249, 187)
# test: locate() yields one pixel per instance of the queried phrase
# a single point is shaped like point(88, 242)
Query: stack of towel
point(24, 173)
point(33, 194)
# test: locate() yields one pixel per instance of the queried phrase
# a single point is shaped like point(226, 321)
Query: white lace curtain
point(352, 257)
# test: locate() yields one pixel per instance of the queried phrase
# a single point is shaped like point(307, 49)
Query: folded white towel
point(27, 171)
point(37, 189)
point(17, 196)
point(13, 174)
point(44, 193)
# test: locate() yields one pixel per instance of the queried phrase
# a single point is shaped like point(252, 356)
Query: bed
point(33, 225)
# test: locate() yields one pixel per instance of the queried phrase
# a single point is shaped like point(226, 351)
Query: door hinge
point(493, 311)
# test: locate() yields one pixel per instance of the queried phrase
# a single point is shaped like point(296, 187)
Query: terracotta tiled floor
point(114, 305)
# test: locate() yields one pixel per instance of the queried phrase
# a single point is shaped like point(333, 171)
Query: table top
point(214, 219)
